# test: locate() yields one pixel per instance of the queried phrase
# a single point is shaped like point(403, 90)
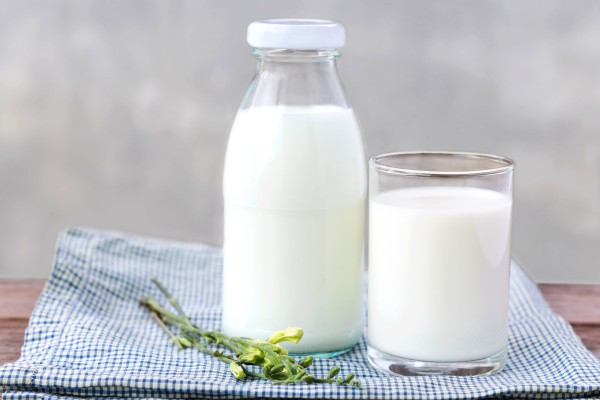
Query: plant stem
point(160, 323)
point(277, 366)
point(170, 297)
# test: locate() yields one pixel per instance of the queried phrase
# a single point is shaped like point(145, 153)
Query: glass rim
point(507, 164)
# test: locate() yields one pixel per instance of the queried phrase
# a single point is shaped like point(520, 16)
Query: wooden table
point(578, 304)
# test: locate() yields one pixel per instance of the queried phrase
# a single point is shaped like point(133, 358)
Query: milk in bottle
point(294, 190)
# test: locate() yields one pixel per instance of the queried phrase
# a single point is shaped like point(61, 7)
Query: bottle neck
point(303, 56)
point(297, 64)
point(295, 78)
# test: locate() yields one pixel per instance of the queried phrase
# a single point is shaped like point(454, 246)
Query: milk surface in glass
point(439, 272)
point(294, 188)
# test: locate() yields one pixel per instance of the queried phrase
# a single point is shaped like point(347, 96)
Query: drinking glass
point(439, 260)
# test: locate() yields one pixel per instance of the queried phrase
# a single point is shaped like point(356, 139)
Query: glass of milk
point(295, 188)
point(439, 258)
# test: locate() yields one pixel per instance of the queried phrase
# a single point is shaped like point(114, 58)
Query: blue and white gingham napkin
point(89, 337)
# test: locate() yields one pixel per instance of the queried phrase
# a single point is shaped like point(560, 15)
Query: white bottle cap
point(296, 34)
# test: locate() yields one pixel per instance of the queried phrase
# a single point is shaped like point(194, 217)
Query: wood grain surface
point(578, 304)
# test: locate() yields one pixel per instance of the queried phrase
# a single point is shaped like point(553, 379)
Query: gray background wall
point(115, 114)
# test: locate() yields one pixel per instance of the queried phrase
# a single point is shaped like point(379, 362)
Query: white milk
point(439, 273)
point(294, 188)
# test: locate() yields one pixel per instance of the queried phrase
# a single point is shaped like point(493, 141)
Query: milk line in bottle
point(294, 190)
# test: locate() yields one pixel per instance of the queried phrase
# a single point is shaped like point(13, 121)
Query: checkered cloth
point(89, 337)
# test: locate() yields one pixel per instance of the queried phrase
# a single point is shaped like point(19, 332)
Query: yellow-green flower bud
point(333, 372)
point(349, 378)
point(287, 335)
point(306, 362)
point(252, 356)
point(277, 369)
point(237, 370)
point(268, 363)
point(289, 366)
point(280, 350)
point(185, 342)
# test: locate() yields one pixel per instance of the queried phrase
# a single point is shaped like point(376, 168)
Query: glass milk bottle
point(294, 189)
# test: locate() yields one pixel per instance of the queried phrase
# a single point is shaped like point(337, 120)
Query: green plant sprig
point(264, 359)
